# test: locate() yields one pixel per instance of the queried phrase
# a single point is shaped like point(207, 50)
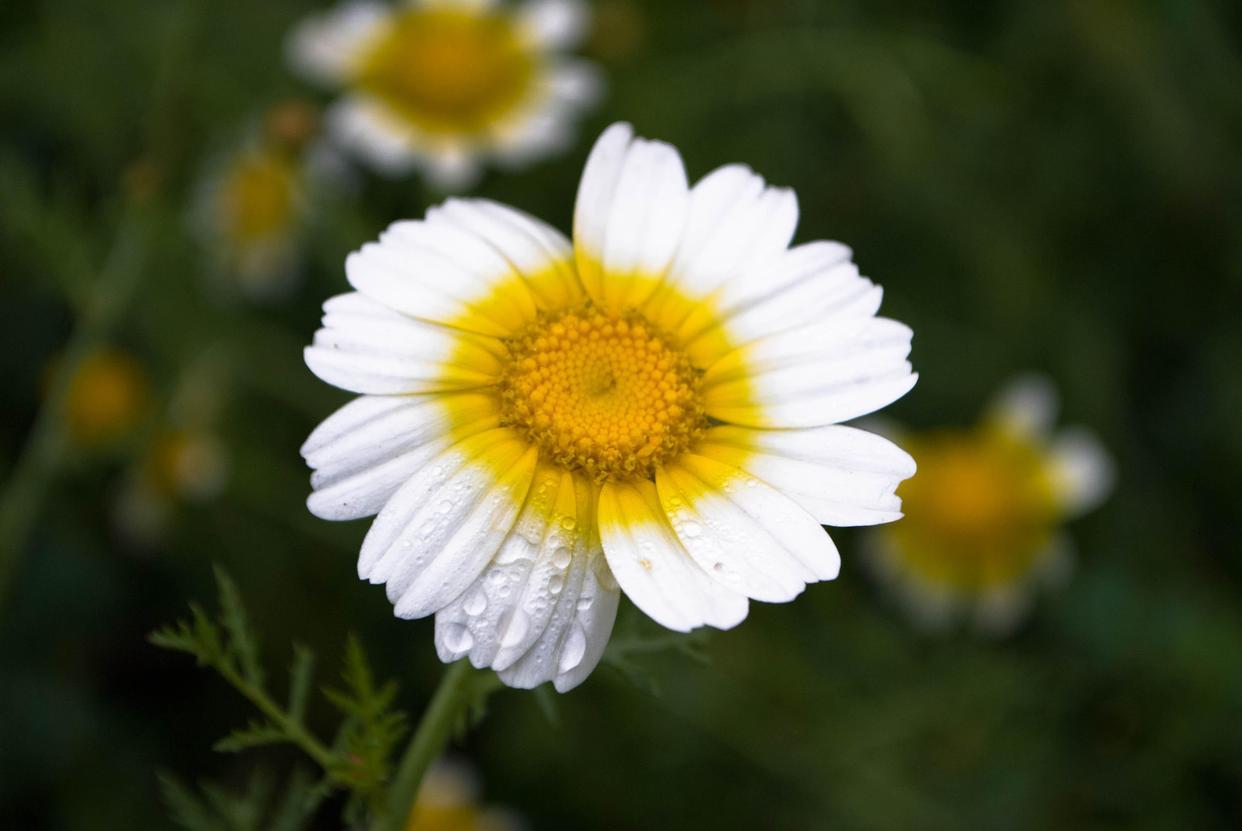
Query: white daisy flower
point(441, 84)
point(982, 530)
point(653, 407)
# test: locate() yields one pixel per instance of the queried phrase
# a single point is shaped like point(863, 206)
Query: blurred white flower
point(252, 206)
point(653, 406)
point(982, 526)
point(441, 85)
point(449, 800)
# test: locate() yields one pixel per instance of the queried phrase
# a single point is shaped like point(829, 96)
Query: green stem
point(461, 686)
point(324, 757)
point(45, 450)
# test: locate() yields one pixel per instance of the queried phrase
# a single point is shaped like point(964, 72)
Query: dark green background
point(1053, 186)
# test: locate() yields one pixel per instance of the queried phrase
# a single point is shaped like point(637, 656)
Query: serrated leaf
point(302, 797)
point(242, 641)
point(255, 734)
point(184, 806)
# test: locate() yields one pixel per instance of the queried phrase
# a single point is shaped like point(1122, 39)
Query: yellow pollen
point(449, 71)
point(602, 393)
point(980, 510)
point(259, 196)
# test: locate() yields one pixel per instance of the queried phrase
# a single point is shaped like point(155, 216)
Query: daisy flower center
point(980, 509)
point(259, 197)
point(603, 393)
point(449, 70)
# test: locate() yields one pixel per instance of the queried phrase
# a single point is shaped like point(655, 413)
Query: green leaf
point(255, 734)
point(242, 641)
point(301, 676)
point(184, 807)
point(302, 796)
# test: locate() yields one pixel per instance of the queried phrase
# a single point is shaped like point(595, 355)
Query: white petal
point(367, 449)
point(366, 347)
point(596, 611)
point(544, 604)
point(810, 284)
point(811, 376)
point(452, 168)
point(553, 24)
point(840, 475)
point(325, 47)
point(742, 532)
point(628, 219)
point(367, 128)
point(532, 249)
point(735, 221)
point(442, 527)
point(438, 272)
point(1082, 470)
point(653, 568)
point(545, 125)
point(542, 572)
point(486, 610)
point(1026, 407)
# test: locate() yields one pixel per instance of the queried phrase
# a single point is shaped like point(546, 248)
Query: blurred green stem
point(44, 453)
point(461, 688)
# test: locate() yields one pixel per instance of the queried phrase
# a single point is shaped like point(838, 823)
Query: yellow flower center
point(259, 197)
point(602, 393)
point(107, 398)
point(980, 510)
point(449, 70)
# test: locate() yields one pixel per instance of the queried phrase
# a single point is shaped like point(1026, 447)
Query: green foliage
point(359, 757)
point(371, 729)
point(258, 807)
point(636, 640)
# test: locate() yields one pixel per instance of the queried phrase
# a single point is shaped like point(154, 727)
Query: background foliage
point(1053, 186)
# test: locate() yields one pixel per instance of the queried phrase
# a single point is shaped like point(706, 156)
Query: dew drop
point(691, 529)
point(584, 602)
point(556, 583)
point(573, 650)
point(457, 637)
point(475, 603)
point(568, 523)
point(561, 557)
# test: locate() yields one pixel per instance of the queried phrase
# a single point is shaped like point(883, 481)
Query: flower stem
point(44, 452)
point(461, 687)
point(296, 732)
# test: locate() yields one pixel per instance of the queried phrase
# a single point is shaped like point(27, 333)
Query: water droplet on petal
point(475, 603)
point(556, 583)
point(573, 650)
point(561, 557)
point(691, 529)
point(457, 637)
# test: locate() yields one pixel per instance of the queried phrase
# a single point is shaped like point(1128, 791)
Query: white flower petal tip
point(1083, 471)
point(628, 219)
point(1027, 406)
point(655, 570)
point(324, 46)
point(554, 24)
point(398, 65)
point(544, 607)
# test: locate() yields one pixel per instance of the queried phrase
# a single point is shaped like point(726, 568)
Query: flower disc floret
point(603, 393)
